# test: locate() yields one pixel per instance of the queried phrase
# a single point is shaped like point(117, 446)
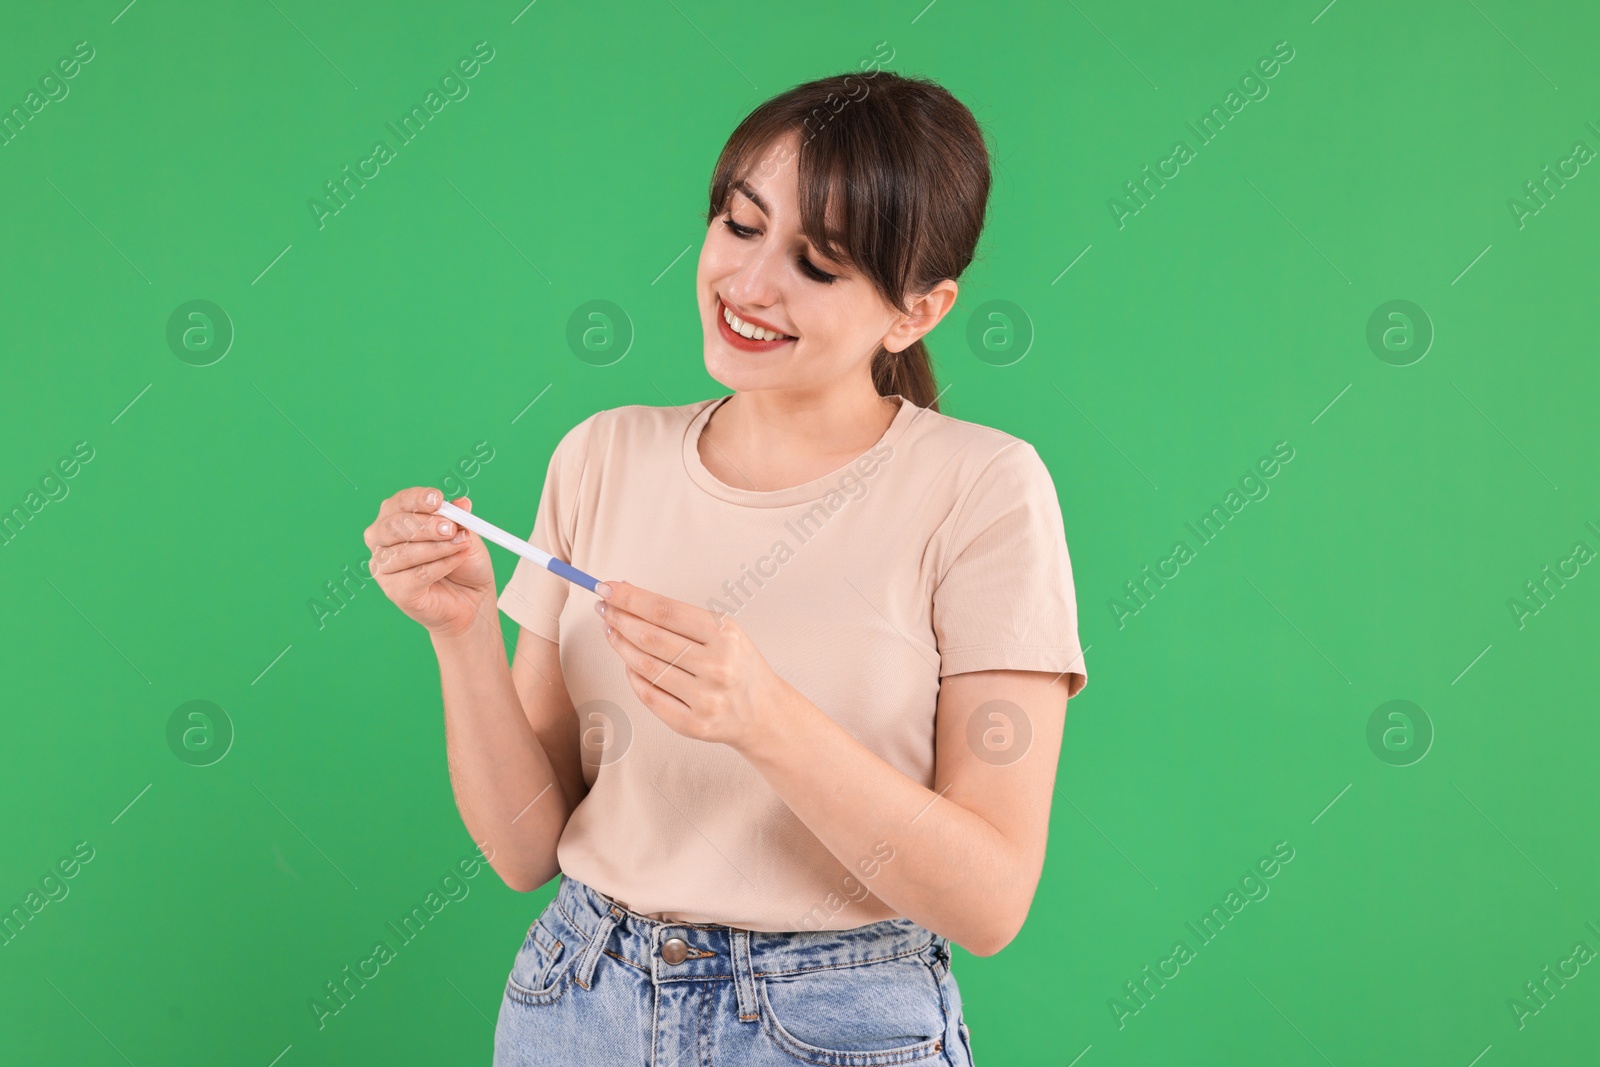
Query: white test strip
point(490, 532)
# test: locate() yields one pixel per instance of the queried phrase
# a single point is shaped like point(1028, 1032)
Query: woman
point(814, 741)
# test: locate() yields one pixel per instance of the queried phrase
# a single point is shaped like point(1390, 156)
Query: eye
point(818, 275)
point(811, 271)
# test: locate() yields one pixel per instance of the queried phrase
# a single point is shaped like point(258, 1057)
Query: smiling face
point(757, 264)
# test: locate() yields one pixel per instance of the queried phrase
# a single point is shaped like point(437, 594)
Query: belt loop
point(744, 979)
point(591, 951)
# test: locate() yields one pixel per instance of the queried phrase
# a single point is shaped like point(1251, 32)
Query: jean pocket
point(538, 975)
point(865, 1016)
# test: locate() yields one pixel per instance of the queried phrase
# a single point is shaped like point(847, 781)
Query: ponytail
point(908, 372)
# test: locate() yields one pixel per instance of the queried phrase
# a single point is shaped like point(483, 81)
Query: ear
point(926, 311)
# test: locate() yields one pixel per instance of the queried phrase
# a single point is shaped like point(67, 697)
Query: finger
point(666, 675)
point(424, 574)
point(418, 499)
point(668, 708)
point(685, 620)
point(664, 645)
point(421, 498)
point(413, 526)
point(390, 559)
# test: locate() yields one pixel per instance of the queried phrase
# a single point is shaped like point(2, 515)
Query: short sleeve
point(1005, 597)
point(534, 597)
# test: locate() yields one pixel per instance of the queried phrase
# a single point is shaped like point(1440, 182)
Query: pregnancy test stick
point(490, 532)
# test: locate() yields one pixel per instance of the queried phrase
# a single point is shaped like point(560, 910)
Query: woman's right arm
point(511, 732)
point(509, 739)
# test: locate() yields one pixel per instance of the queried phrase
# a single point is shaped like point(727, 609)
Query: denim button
point(675, 950)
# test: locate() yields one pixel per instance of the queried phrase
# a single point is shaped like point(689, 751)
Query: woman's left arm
point(969, 852)
point(966, 855)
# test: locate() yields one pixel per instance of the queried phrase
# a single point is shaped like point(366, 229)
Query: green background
point(1229, 314)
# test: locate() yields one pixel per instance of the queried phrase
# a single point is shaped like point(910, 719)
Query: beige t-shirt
point(939, 550)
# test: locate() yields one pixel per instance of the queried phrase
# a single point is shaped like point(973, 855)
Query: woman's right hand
point(435, 570)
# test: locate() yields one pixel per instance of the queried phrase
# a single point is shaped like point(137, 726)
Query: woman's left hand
point(695, 669)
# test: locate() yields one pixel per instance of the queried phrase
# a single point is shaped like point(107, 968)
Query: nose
point(756, 283)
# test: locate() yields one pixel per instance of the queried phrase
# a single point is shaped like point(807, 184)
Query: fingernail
point(461, 535)
point(444, 527)
point(433, 499)
point(603, 589)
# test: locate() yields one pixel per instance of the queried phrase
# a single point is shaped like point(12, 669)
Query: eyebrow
point(743, 186)
point(755, 197)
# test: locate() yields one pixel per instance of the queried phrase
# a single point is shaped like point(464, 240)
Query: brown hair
point(911, 163)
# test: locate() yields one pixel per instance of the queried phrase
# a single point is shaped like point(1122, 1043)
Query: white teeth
point(744, 329)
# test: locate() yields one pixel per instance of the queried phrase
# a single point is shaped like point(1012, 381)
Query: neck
point(777, 421)
point(767, 438)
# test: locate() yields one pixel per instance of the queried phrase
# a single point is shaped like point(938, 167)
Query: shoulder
point(989, 484)
point(969, 454)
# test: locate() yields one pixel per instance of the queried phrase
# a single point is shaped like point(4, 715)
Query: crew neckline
point(777, 498)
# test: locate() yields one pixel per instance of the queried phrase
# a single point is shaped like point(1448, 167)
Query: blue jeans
point(595, 983)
